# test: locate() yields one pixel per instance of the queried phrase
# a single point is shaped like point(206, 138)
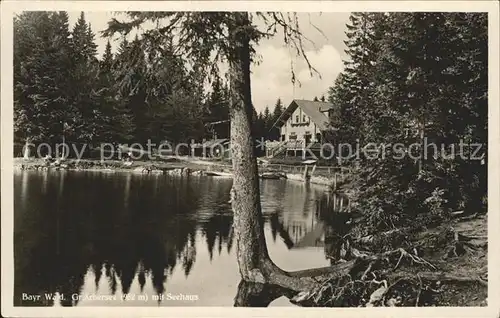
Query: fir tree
point(107, 58)
point(89, 122)
point(412, 85)
point(274, 132)
point(42, 67)
point(267, 122)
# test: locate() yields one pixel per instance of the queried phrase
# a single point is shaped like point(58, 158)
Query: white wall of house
point(298, 125)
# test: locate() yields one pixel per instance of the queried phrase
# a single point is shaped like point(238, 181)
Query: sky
point(271, 76)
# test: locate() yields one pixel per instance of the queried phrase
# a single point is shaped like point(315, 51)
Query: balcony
point(274, 148)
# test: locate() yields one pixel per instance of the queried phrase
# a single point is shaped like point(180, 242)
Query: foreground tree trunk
point(245, 194)
point(253, 258)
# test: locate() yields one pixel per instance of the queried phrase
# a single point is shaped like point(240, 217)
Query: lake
point(105, 239)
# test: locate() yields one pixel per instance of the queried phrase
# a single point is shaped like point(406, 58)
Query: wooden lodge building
point(302, 123)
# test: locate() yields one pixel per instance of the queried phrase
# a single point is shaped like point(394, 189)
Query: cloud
point(271, 79)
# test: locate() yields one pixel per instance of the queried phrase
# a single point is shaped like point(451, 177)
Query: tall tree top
point(80, 25)
point(107, 58)
point(267, 113)
point(278, 103)
point(204, 38)
point(83, 39)
point(278, 109)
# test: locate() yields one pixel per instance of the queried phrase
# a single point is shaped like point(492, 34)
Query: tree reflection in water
point(121, 227)
point(334, 222)
point(109, 231)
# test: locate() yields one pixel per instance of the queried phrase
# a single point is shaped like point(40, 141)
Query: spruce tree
point(274, 132)
point(89, 123)
point(218, 107)
point(107, 59)
point(413, 91)
point(266, 123)
point(42, 67)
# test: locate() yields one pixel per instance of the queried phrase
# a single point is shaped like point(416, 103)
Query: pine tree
point(122, 121)
point(414, 85)
point(355, 82)
point(218, 107)
point(91, 49)
point(161, 94)
point(83, 40)
point(274, 132)
point(89, 123)
point(117, 119)
point(266, 123)
point(107, 59)
point(42, 66)
point(132, 89)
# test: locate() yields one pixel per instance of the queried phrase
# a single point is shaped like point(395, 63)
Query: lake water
point(96, 237)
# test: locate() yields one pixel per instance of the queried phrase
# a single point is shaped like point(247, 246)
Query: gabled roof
point(315, 111)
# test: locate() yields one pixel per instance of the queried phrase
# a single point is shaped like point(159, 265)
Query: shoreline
point(173, 167)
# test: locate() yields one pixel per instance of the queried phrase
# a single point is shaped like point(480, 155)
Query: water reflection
point(333, 221)
point(82, 233)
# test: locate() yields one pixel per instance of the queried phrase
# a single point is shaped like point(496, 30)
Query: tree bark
point(245, 194)
point(254, 262)
point(253, 258)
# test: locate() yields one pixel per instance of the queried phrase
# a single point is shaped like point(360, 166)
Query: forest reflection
point(83, 232)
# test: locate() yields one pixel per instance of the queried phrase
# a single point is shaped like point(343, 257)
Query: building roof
point(315, 111)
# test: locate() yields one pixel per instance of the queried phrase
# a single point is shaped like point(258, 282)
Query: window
point(304, 119)
point(297, 118)
point(292, 137)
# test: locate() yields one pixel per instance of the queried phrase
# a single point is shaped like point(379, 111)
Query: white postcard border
point(10, 7)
